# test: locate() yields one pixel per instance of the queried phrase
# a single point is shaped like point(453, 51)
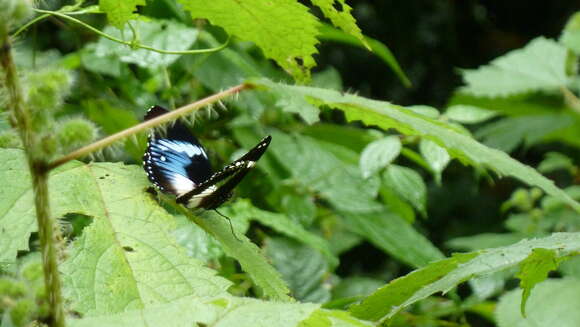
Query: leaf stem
point(170, 116)
point(132, 44)
point(47, 234)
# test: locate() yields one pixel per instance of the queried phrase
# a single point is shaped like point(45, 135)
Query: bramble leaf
point(339, 13)
point(540, 65)
point(284, 30)
point(379, 154)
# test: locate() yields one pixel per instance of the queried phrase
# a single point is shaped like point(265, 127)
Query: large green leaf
point(284, 29)
point(457, 144)
point(540, 65)
point(127, 258)
point(339, 13)
point(444, 275)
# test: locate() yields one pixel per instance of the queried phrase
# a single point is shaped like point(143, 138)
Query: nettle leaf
point(284, 29)
point(540, 65)
point(379, 154)
point(553, 303)
point(409, 185)
point(444, 275)
point(120, 12)
point(216, 311)
point(571, 35)
point(159, 34)
point(127, 258)
point(533, 270)
point(458, 144)
point(302, 267)
point(436, 156)
point(339, 13)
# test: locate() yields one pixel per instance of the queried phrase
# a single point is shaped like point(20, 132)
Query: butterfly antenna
point(230, 221)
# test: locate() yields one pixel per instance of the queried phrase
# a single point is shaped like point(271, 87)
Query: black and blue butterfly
point(177, 164)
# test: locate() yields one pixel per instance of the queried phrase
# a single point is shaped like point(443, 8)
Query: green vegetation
point(334, 226)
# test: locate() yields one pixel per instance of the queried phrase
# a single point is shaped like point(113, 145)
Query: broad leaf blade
point(120, 12)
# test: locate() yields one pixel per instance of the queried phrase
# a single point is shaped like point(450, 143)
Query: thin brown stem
point(170, 116)
point(20, 120)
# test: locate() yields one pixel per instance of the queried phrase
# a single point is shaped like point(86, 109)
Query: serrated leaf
point(379, 154)
point(302, 267)
point(284, 30)
point(339, 13)
point(444, 275)
point(533, 270)
point(436, 156)
point(553, 303)
point(571, 34)
point(467, 114)
point(120, 12)
point(216, 311)
point(126, 258)
point(539, 66)
point(458, 144)
point(409, 185)
point(159, 34)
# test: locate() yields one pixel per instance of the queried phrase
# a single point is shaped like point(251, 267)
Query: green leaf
point(571, 35)
point(409, 185)
point(120, 12)
point(467, 114)
point(555, 161)
point(339, 13)
point(284, 30)
point(553, 303)
point(444, 275)
point(436, 156)
point(159, 34)
point(356, 286)
point(17, 215)
point(302, 267)
point(217, 311)
point(508, 133)
point(280, 223)
point(483, 241)
point(533, 270)
point(394, 235)
point(379, 154)
point(299, 207)
point(539, 66)
point(127, 258)
point(457, 144)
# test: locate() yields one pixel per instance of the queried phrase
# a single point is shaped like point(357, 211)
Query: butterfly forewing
point(175, 161)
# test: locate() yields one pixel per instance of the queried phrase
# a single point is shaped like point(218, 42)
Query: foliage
point(323, 231)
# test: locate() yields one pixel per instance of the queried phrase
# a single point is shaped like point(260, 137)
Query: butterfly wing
point(175, 162)
point(236, 171)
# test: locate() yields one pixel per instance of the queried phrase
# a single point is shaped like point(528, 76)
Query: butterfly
point(177, 164)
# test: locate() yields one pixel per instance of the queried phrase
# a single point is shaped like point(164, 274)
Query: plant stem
point(132, 44)
point(571, 99)
point(20, 119)
point(170, 116)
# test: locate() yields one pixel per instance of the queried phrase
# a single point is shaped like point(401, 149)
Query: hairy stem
point(170, 116)
point(20, 119)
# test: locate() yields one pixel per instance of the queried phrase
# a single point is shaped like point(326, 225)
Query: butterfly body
point(177, 164)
